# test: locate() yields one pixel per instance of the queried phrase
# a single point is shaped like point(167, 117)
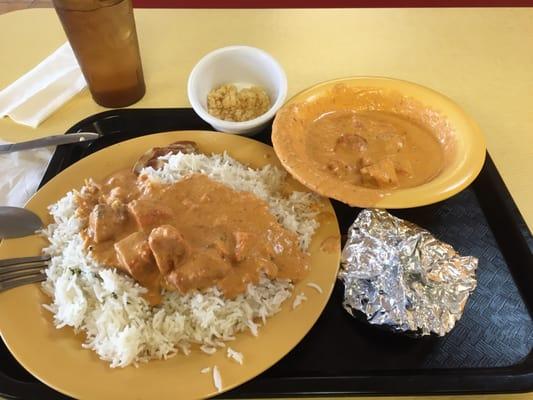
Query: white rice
point(119, 324)
point(300, 298)
point(208, 349)
point(217, 379)
point(315, 286)
point(235, 355)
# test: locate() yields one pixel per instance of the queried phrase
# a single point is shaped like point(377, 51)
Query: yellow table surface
point(481, 58)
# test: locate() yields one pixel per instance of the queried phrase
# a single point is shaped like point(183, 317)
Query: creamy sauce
point(192, 234)
point(374, 149)
point(360, 144)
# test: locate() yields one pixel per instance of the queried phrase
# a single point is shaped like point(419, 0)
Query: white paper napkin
point(33, 97)
point(22, 172)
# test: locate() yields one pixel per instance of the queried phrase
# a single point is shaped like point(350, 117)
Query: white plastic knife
point(54, 140)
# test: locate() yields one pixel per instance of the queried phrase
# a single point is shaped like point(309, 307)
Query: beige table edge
point(492, 81)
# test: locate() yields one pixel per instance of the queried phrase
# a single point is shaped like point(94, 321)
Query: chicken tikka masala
point(374, 149)
point(192, 234)
point(359, 144)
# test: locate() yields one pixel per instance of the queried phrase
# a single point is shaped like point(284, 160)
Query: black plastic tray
point(489, 350)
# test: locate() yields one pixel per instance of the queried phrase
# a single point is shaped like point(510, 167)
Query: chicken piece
point(394, 142)
point(381, 173)
point(122, 186)
point(222, 247)
point(365, 161)
point(151, 157)
point(242, 245)
point(168, 247)
point(199, 271)
point(149, 214)
point(339, 168)
point(135, 255)
point(403, 167)
point(268, 267)
point(216, 238)
point(91, 189)
point(105, 221)
point(353, 142)
point(118, 194)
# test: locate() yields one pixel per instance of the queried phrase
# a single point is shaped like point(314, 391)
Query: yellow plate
point(462, 165)
point(55, 356)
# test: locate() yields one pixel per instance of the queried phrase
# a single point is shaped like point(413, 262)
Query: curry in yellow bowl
point(378, 142)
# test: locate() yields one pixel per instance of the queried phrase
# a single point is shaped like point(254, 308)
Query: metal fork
point(16, 272)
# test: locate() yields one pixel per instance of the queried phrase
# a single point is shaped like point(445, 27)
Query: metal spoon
point(18, 222)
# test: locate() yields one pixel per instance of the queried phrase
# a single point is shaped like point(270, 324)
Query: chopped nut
point(230, 104)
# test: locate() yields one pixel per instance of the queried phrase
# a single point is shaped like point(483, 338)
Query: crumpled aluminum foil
point(402, 277)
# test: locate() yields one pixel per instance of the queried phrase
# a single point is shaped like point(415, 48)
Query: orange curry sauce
point(374, 149)
point(192, 234)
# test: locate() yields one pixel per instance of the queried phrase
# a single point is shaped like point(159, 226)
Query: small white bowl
point(237, 65)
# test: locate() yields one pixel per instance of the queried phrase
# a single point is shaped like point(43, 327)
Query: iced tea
point(104, 39)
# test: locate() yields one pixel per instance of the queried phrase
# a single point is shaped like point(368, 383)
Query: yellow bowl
point(462, 140)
